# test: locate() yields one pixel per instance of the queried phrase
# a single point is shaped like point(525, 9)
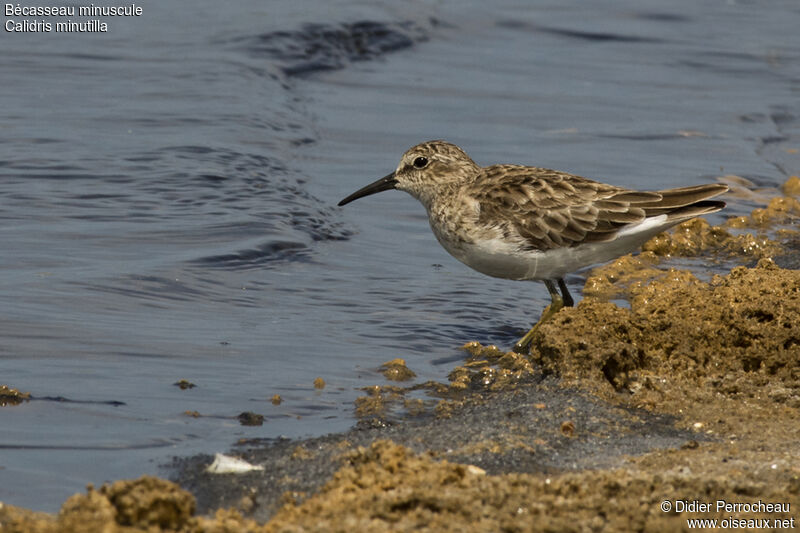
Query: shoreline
point(690, 395)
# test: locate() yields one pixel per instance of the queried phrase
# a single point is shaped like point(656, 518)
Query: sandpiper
point(531, 223)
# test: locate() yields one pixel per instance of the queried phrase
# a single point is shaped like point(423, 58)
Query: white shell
point(225, 464)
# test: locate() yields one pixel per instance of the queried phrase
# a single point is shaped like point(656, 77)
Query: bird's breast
point(484, 248)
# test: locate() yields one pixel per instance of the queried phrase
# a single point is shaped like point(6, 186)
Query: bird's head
point(423, 170)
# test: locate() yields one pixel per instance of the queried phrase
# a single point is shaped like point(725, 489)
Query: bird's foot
point(523, 346)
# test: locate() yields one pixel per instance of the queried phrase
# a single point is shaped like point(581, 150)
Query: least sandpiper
point(531, 223)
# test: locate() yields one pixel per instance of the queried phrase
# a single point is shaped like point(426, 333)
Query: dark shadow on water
point(597, 37)
point(318, 47)
point(269, 252)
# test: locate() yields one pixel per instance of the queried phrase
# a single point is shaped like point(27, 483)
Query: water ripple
point(317, 47)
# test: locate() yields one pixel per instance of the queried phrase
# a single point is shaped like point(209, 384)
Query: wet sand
point(690, 393)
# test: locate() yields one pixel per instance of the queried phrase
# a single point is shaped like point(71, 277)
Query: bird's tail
point(686, 202)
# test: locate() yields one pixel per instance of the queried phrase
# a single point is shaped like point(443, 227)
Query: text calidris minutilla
point(531, 223)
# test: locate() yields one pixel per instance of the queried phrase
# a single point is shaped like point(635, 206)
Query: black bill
point(383, 184)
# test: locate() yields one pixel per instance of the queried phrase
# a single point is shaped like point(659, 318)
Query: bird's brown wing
point(550, 209)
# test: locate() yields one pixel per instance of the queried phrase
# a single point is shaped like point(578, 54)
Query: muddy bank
point(384, 486)
point(684, 342)
point(692, 394)
point(540, 428)
point(536, 431)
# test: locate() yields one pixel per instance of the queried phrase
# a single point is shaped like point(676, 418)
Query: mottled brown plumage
point(552, 209)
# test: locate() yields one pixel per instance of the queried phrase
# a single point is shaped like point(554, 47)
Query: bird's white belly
point(501, 259)
point(496, 258)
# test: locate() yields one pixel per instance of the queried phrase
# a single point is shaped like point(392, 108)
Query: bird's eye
point(420, 162)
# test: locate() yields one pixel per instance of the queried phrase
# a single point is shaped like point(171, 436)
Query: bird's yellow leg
point(557, 302)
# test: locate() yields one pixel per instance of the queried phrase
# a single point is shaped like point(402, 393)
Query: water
point(168, 189)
